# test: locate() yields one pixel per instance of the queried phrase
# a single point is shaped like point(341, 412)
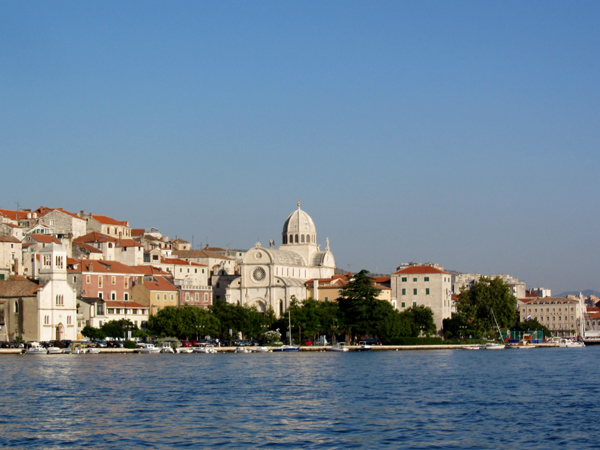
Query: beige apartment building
point(423, 285)
point(560, 315)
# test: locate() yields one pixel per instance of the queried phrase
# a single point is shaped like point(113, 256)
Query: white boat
point(183, 349)
point(363, 347)
point(241, 350)
point(54, 350)
point(92, 350)
point(339, 347)
point(286, 348)
point(34, 348)
point(494, 346)
point(205, 348)
point(472, 347)
point(523, 344)
point(569, 343)
point(166, 348)
point(260, 349)
point(149, 348)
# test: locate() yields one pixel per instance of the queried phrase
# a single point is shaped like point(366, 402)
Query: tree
point(359, 305)
point(421, 321)
point(532, 325)
point(485, 296)
point(93, 333)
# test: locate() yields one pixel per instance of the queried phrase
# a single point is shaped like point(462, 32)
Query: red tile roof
point(135, 232)
point(18, 288)
point(420, 269)
point(8, 238)
point(128, 243)
point(46, 238)
point(105, 220)
point(13, 215)
point(180, 262)
point(159, 284)
point(150, 270)
point(87, 247)
point(95, 236)
point(103, 266)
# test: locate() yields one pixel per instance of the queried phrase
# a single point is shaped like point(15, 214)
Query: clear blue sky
point(461, 133)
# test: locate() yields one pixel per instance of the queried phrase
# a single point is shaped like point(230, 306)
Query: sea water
point(534, 399)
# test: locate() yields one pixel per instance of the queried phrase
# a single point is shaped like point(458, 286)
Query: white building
point(270, 277)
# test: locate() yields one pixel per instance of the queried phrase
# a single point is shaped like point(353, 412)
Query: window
point(74, 279)
point(46, 320)
point(205, 297)
point(172, 297)
point(414, 303)
point(111, 310)
point(68, 320)
point(404, 279)
point(403, 304)
point(202, 270)
point(100, 281)
point(187, 296)
point(126, 282)
point(59, 300)
point(113, 280)
point(126, 296)
point(195, 270)
point(427, 291)
point(16, 307)
point(326, 299)
point(426, 278)
point(113, 295)
point(165, 297)
point(414, 292)
point(88, 279)
point(157, 297)
point(403, 291)
point(415, 280)
point(100, 295)
point(99, 309)
point(197, 297)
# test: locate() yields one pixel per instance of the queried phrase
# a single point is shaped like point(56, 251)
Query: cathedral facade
point(270, 277)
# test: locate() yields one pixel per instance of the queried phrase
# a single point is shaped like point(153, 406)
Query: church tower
point(54, 263)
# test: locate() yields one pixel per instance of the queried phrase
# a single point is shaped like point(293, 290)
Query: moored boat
point(34, 348)
point(286, 348)
point(205, 348)
point(339, 347)
point(149, 348)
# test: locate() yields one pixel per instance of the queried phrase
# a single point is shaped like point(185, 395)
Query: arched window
point(296, 239)
point(284, 238)
point(280, 307)
point(302, 238)
point(308, 238)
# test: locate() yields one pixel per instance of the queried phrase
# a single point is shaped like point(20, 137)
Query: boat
point(184, 349)
point(569, 343)
point(149, 348)
point(494, 346)
point(34, 348)
point(286, 348)
point(473, 347)
point(363, 347)
point(205, 348)
point(92, 350)
point(523, 344)
point(260, 349)
point(166, 347)
point(53, 350)
point(339, 347)
point(241, 350)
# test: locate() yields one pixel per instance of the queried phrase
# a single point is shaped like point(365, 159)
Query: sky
point(461, 133)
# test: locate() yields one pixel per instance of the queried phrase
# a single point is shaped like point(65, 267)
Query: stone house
point(107, 225)
point(560, 315)
point(9, 229)
point(64, 223)
point(155, 292)
point(10, 256)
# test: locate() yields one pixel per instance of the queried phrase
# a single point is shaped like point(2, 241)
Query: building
point(269, 277)
point(10, 256)
point(45, 311)
point(107, 225)
point(63, 223)
point(560, 315)
point(155, 292)
point(329, 289)
point(424, 285)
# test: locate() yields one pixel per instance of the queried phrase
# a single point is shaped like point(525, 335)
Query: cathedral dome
point(299, 228)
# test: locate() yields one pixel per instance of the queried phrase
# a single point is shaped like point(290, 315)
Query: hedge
point(417, 341)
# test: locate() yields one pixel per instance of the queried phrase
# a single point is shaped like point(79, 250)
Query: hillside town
point(61, 271)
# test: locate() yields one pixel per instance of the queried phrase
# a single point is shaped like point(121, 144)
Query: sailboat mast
point(290, 327)
point(497, 326)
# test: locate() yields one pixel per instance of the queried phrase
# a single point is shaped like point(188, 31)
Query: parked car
point(186, 344)
point(101, 344)
point(308, 342)
point(115, 344)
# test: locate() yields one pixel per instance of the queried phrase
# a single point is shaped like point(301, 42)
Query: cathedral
point(270, 277)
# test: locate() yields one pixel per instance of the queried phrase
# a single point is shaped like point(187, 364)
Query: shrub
point(129, 344)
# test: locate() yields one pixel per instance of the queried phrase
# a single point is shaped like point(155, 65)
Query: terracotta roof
point(12, 225)
point(180, 262)
point(8, 238)
point(216, 249)
point(109, 220)
point(87, 247)
point(47, 238)
point(114, 303)
point(382, 279)
point(159, 284)
point(128, 243)
point(95, 236)
point(150, 270)
point(420, 269)
point(18, 288)
point(135, 232)
point(103, 266)
point(13, 215)
point(199, 254)
point(593, 309)
point(551, 300)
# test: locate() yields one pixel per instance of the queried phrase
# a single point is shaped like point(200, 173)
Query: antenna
point(192, 242)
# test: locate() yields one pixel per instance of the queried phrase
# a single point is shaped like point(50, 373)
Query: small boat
point(472, 347)
point(523, 344)
point(205, 348)
point(166, 347)
point(286, 348)
point(339, 347)
point(241, 350)
point(569, 343)
point(260, 349)
point(149, 348)
point(52, 350)
point(34, 348)
point(363, 347)
point(92, 350)
point(494, 346)
point(183, 349)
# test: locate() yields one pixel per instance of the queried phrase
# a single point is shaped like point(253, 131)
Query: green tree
point(359, 305)
point(116, 328)
point(93, 333)
point(485, 296)
point(532, 325)
point(421, 321)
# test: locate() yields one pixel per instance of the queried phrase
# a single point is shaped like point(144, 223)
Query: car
point(101, 344)
point(115, 344)
point(254, 342)
point(187, 344)
point(308, 343)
